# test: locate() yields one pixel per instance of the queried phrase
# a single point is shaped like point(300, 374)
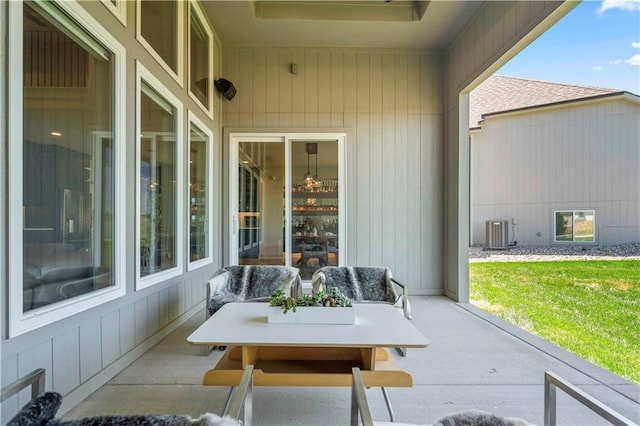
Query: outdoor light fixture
point(225, 87)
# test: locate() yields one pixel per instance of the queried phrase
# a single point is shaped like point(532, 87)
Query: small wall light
point(294, 69)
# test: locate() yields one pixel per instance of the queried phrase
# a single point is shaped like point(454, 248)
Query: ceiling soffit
point(381, 10)
point(326, 24)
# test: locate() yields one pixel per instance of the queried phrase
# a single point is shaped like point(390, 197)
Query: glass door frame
point(235, 138)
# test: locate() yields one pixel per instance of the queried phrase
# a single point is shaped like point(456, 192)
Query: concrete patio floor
point(474, 361)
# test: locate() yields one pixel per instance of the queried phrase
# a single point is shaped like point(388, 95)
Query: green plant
point(340, 299)
point(318, 298)
point(279, 299)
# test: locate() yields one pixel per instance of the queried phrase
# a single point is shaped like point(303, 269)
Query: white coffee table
point(308, 354)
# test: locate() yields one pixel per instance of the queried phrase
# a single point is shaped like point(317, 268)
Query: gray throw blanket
point(254, 282)
point(360, 283)
point(478, 418)
point(42, 411)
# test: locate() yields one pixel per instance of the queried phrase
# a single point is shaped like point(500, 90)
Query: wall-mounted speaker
point(225, 87)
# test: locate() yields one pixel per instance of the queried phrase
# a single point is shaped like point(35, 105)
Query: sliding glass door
point(286, 201)
point(260, 202)
point(315, 206)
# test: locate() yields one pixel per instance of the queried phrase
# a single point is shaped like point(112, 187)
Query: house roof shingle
point(501, 93)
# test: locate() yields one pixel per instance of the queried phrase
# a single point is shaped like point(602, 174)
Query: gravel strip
point(629, 251)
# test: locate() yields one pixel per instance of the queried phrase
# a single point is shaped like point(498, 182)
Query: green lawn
point(590, 308)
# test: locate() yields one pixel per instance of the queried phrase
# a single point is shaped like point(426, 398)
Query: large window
point(159, 158)
point(63, 165)
point(199, 193)
point(159, 29)
point(575, 226)
point(200, 57)
point(118, 8)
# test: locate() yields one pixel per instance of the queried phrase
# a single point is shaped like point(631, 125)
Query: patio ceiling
point(384, 24)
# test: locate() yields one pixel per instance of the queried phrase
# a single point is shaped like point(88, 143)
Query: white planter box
point(313, 315)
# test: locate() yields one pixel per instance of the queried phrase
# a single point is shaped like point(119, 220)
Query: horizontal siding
point(392, 103)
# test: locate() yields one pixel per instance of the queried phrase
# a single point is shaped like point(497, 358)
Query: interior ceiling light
point(308, 178)
point(380, 10)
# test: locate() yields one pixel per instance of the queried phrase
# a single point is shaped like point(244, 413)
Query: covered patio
point(474, 361)
point(104, 295)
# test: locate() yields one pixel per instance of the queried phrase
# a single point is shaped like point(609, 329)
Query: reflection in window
point(199, 41)
point(157, 183)
point(575, 226)
point(198, 214)
point(118, 8)
point(68, 160)
point(159, 27)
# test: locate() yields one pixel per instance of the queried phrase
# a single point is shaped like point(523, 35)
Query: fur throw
point(357, 282)
point(207, 419)
point(38, 411)
point(254, 282)
point(478, 418)
point(42, 411)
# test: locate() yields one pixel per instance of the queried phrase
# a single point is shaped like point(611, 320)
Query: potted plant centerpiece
point(308, 308)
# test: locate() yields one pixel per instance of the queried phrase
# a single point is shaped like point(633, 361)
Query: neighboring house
point(117, 154)
point(559, 163)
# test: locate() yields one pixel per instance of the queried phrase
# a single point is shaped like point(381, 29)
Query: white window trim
point(143, 73)
point(119, 10)
point(19, 322)
point(209, 197)
point(177, 75)
point(573, 218)
point(234, 139)
point(198, 9)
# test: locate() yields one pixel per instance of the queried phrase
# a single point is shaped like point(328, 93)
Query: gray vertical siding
point(584, 155)
point(84, 351)
point(406, 196)
point(391, 102)
point(497, 32)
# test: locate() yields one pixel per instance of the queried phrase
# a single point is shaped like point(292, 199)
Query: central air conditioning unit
point(497, 236)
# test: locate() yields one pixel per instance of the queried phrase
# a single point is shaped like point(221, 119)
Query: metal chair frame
point(35, 379)
point(552, 381)
point(241, 396)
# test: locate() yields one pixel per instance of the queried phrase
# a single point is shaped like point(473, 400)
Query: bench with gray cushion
point(242, 283)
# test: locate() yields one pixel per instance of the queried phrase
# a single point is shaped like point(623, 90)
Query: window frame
point(192, 265)
point(208, 109)
point(178, 74)
point(119, 10)
point(143, 74)
point(20, 322)
point(573, 229)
